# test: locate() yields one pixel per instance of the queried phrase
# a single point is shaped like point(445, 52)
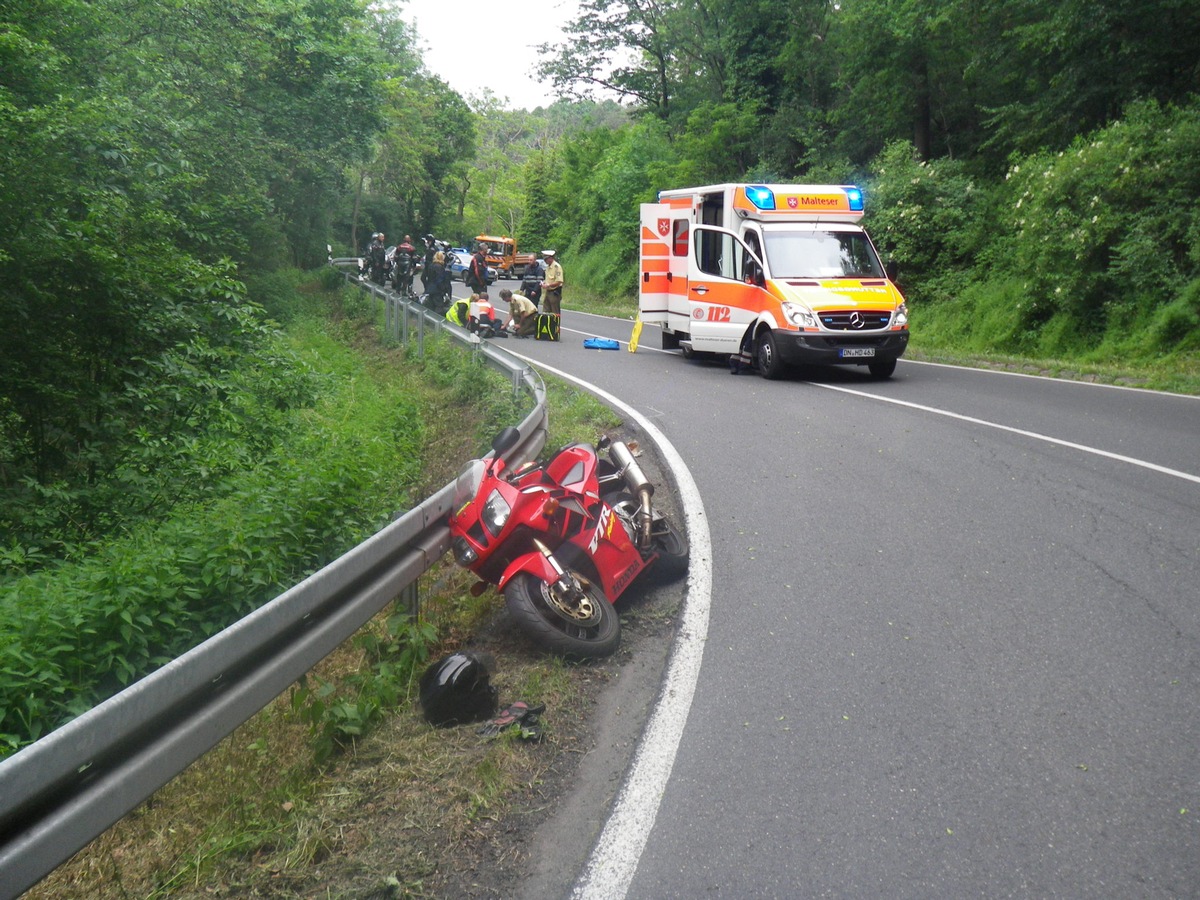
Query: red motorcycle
point(562, 540)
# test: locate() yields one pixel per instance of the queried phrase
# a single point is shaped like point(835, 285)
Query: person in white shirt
point(522, 314)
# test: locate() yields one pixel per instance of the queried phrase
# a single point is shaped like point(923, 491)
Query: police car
point(461, 262)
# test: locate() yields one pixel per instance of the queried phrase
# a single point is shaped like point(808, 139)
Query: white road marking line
point(1092, 384)
point(1083, 448)
point(611, 867)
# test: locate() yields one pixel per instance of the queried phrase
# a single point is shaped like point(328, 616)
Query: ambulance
point(781, 272)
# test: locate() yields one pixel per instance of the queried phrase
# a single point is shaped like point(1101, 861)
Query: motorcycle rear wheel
point(584, 634)
point(665, 539)
point(670, 543)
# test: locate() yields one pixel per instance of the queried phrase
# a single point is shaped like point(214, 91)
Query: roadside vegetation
point(189, 425)
point(260, 812)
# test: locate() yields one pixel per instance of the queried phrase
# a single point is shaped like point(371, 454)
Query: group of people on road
point(399, 264)
point(539, 284)
point(522, 305)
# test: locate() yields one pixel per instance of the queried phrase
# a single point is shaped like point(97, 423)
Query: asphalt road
point(953, 647)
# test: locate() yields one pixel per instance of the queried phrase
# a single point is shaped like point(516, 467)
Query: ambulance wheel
point(584, 628)
point(769, 362)
point(882, 368)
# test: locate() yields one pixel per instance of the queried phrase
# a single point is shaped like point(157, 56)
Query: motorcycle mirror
point(506, 440)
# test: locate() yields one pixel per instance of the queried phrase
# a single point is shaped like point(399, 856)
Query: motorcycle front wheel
point(584, 629)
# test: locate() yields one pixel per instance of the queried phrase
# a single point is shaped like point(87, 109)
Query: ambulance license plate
point(855, 352)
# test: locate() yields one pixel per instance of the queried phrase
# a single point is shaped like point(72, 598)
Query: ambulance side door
point(724, 289)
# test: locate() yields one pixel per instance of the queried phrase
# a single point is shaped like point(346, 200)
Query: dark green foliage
point(1107, 231)
point(538, 217)
point(1176, 326)
point(928, 217)
point(151, 155)
point(310, 475)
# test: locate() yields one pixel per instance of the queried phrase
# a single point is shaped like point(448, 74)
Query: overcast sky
point(472, 44)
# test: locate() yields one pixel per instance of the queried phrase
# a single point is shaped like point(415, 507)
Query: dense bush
point(278, 503)
point(928, 217)
point(1107, 233)
point(1089, 251)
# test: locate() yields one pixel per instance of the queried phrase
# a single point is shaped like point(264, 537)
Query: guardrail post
point(409, 600)
point(421, 335)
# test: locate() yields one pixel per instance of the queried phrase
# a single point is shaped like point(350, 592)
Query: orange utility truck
point(502, 254)
point(782, 271)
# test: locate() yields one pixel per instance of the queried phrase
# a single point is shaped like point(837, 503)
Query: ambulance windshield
point(820, 254)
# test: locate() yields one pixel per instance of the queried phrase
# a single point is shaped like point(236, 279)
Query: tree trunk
point(922, 115)
point(362, 177)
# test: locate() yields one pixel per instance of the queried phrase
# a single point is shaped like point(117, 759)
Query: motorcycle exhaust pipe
point(630, 470)
point(639, 484)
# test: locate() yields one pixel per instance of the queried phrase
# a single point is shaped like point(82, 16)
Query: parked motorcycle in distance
point(562, 541)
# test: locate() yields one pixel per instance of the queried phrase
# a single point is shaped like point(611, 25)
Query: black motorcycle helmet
point(456, 689)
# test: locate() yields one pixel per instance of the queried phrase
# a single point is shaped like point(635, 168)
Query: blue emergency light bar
point(762, 197)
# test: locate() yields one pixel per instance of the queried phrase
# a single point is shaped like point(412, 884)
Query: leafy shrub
point(72, 634)
point(1176, 326)
point(336, 718)
point(984, 317)
point(277, 293)
point(201, 420)
point(1103, 232)
point(927, 216)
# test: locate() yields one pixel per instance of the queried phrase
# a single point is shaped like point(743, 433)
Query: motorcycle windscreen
point(466, 486)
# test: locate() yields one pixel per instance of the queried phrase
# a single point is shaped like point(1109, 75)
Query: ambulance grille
point(856, 320)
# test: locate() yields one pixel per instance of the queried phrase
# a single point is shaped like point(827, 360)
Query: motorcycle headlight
point(800, 316)
point(901, 317)
point(495, 513)
point(464, 554)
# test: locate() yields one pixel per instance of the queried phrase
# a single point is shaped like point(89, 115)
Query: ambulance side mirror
point(892, 269)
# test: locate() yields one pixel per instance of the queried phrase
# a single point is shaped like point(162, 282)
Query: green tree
point(1053, 71)
point(617, 46)
point(538, 217)
point(147, 151)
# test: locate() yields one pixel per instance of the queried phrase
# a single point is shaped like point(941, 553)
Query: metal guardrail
point(58, 794)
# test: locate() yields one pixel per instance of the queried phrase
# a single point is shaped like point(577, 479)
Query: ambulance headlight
point(901, 317)
point(495, 513)
point(800, 316)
